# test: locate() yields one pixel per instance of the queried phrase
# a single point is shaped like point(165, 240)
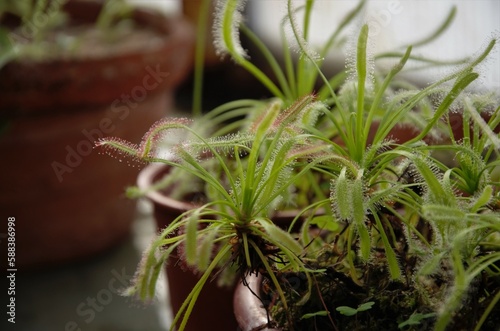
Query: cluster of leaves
point(234, 227)
point(430, 220)
point(26, 27)
point(391, 212)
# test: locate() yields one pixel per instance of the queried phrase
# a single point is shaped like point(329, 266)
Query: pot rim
point(148, 176)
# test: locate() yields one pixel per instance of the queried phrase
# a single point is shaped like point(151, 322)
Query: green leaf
point(133, 192)
point(438, 212)
point(364, 241)
point(342, 196)
point(483, 199)
point(430, 266)
point(191, 238)
point(325, 222)
point(207, 249)
point(392, 260)
point(357, 200)
point(439, 31)
point(415, 319)
point(365, 306)
point(282, 237)
point(359, 215)
point(361, 69)
point(347, 311)
point(318, 313)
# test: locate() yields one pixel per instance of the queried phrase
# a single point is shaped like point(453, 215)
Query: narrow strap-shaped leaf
point(207, 248)
point(361, 64)
point(439, 31)
point(459, 86)
point(227, 22)
point(442, 213)
point(191, 241)
point(282, 237)
point(188, 304)
point(273, 63)
point(383, 130)
point(199, 56)
point(271, 274)
point(392, 260)
point(341, 196)
point(483, 199)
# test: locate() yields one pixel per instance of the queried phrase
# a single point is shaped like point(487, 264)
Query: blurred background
point(69, 274)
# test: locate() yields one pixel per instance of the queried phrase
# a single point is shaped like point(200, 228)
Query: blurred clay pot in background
point(67, 200)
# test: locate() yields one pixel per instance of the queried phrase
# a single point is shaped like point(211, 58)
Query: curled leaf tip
point(157, 132)
point(116, 144)
point(228, 17)
point(119, 149)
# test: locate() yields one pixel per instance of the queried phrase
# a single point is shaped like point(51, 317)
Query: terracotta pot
point(248, 309)
point(67, 199)
point(214, 306)
point(456, 121)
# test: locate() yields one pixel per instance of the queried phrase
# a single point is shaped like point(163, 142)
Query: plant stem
point(199, 59)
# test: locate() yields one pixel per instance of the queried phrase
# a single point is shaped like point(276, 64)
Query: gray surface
point(83, 296)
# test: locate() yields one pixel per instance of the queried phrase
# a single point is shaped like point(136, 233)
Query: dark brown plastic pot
point(68, 200)
point(214, 306)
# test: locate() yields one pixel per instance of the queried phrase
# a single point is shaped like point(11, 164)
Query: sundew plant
point(401, 209)
point(406, 229)
point(233, 228)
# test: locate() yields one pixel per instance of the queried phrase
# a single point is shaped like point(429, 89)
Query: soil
point(394, 303)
